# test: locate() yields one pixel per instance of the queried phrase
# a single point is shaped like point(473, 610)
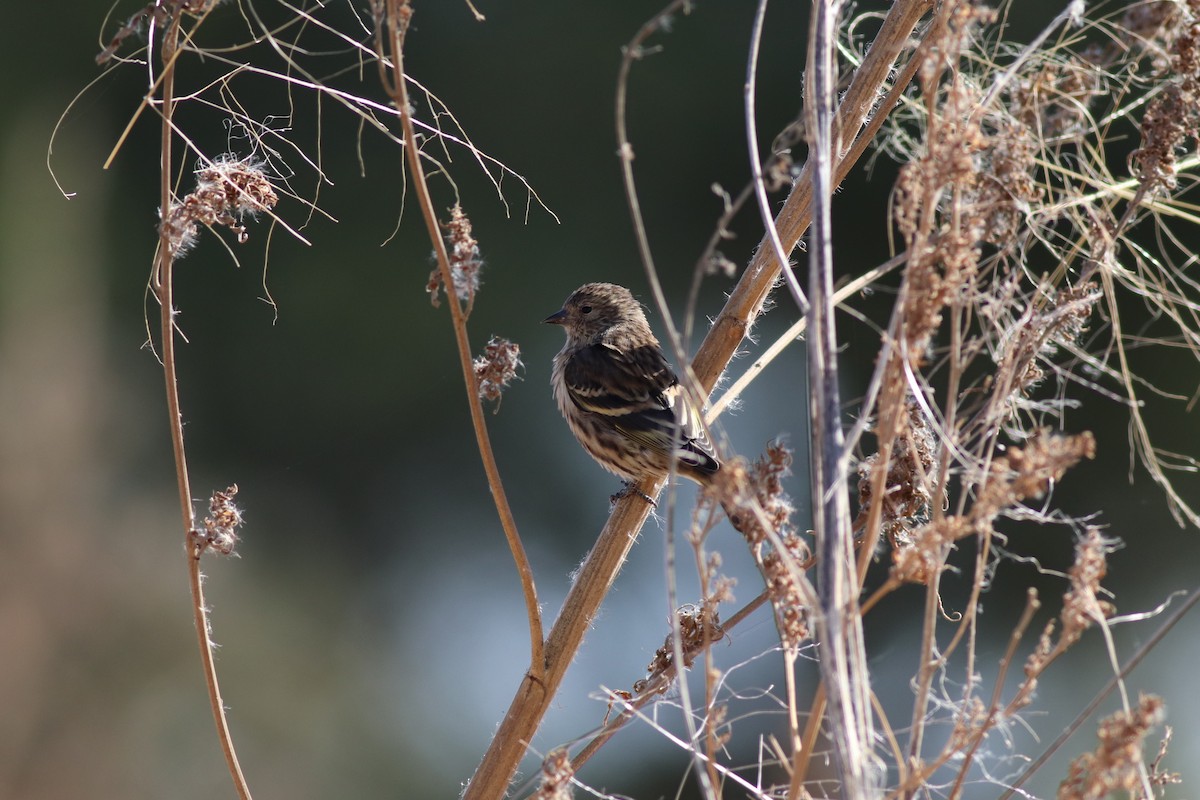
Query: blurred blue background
point(372, 631)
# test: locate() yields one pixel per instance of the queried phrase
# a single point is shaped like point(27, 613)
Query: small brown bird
point(616, 390)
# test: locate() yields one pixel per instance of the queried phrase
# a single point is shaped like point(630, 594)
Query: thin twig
point(163, 283)
point(398, 15)
point(758, 181)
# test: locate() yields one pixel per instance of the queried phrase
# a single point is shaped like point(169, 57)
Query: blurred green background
point(372, 631)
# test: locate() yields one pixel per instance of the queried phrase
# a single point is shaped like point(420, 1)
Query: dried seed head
point(496, 368)
point(226, 192)
point(220, 531)
point(699, 627)
point(1039, 334)
point(1082, 604)
point(741, 488)
point(465, 260)
point(1117, 762)
point(1054, 96)
point(780, 572)
point(1174, 115)
point(556, 776)
point(1013, 476)
point(907, 496)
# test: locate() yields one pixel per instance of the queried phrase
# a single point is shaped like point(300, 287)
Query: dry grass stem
point(459, 267)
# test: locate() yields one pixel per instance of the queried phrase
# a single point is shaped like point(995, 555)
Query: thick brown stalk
point(533, 697)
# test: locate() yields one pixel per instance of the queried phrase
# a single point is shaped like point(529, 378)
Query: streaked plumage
point(617, 392)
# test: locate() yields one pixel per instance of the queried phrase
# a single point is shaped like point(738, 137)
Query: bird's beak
point(557, 318)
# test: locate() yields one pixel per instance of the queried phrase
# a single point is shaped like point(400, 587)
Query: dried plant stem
point(533, 697)
point(162, 283)
point(398, 14)
point(927, 668)
point(808, 742)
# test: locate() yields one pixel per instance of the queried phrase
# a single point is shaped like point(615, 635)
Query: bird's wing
point(639, 393)
point(614, 382)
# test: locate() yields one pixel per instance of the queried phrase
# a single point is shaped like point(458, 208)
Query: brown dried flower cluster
point(1018, 474)
point(226, 191)
point(1003, 197)
point(1117, 763)
point(158, 12)
point(1082, 606)
point(969, 187)
point(1146, 24)
point(1054, 97)
point(220, 530)
point(779, 570)
point(1174, 115)
point(497, 368)
point(757, 505)
point(465, 261)
point(1040, 332)
point(907, 495)
point(745, 491)
point(1025, 472)
point(557, 773)
point(699, 627)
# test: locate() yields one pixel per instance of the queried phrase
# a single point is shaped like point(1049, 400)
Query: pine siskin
point(616, 390)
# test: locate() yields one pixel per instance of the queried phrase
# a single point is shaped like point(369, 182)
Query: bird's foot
point(630, 488)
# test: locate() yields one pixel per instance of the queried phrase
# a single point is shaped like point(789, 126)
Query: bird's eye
point(585, 309)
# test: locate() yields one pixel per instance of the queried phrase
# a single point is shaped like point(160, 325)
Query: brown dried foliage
point(220, 531)
point(1174, 115)
point(1117, 763)
point(226, 191)
point(1015, 475)
point(497, 368)
point(699, 627)
point(465, 260)
point(908, 491)
point(760, 509)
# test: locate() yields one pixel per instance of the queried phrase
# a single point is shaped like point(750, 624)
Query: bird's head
point(594, 309)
